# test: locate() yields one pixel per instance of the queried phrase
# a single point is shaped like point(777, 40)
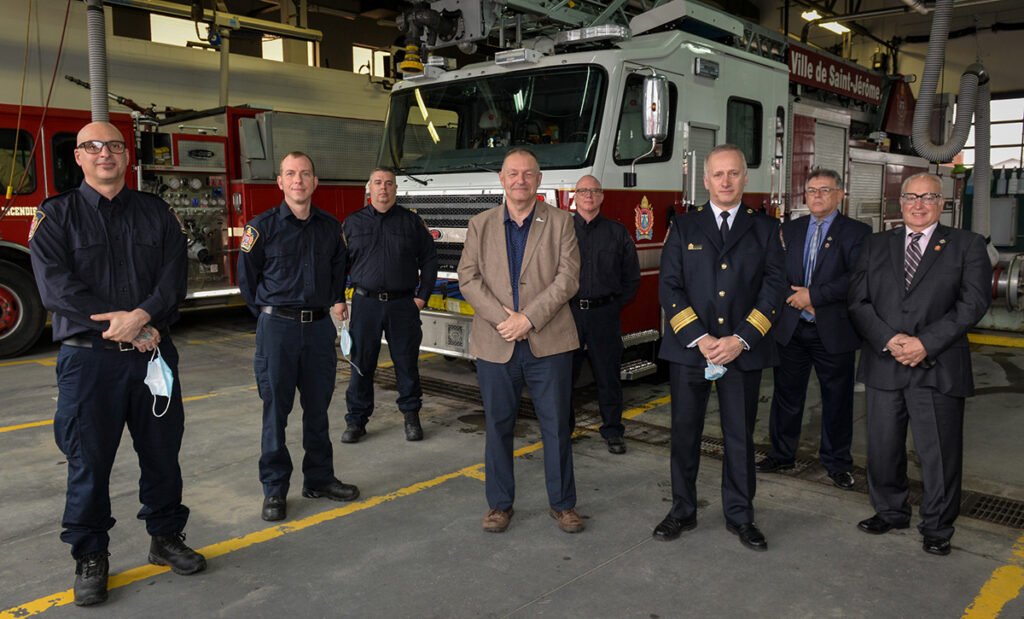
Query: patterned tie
point(913, 257)
point(725, 225)
point(812, 253)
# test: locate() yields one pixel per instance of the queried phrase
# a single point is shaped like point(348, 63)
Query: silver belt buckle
point(382, 296)
point(305, 315)
point(585, 304)
point(124, 346)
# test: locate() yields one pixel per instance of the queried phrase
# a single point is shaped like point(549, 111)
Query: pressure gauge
point(195, 183)
point(174, 182)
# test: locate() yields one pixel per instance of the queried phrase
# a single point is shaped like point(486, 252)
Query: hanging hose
point(97, 60)
point(21, 103)
point(973, 82)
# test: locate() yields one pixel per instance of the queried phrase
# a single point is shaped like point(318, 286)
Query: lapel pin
point(938, 247)
point(942, 241)
point(540, 219)
point(826, 244)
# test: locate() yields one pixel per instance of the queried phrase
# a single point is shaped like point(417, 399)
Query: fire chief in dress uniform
point(914, 293)
point(721, 288)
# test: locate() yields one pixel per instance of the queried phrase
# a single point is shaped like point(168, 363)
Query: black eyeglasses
point(590, 192)
point(93, 147)
point(930, 199)
point(824, 191)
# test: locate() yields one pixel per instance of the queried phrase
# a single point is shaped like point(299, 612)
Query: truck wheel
point(21, 311)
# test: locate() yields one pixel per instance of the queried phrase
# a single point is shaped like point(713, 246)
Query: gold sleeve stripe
point(682, 319)
point(760, 322)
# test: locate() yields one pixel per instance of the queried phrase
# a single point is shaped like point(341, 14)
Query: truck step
point(638, 368)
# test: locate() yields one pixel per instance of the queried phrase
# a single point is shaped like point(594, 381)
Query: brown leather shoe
point(496, 520)
point(568, 520)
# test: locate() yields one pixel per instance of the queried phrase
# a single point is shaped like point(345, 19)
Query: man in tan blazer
point(519, 268)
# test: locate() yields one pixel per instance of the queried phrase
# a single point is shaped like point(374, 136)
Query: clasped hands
point(515, 327)
point(800, 299)
point(131, 327)
point(906, 349)
point(720, 350)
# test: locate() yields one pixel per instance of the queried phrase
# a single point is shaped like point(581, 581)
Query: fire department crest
point(36, 220)
point(644, 220)
point(249, 238)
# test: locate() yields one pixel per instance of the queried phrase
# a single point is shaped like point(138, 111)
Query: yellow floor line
point(1004, 585)
point(48, 362)
point(996, 340)
point(212, 551)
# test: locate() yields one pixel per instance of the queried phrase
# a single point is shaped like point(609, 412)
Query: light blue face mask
point(345, 342)
point(714, 371)
point(159, 379)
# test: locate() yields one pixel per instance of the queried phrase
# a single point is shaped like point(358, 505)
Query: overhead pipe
point(917, 5)
point(97, 36)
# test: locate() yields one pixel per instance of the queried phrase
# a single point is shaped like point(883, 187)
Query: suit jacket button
point(721, 321)
point(724, 266)
point(721, 293)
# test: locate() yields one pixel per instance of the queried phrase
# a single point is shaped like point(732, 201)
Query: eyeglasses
point(590, 192)
point(930, 199)
point(93, 147)
point(823, 191)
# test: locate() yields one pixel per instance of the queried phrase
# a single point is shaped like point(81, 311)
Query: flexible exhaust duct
point(973, 82)
point(97, 33)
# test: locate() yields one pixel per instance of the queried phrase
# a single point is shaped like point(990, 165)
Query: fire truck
point(637, 104)
point(216, 168)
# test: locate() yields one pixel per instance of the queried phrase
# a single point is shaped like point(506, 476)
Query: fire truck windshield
point(469, 124)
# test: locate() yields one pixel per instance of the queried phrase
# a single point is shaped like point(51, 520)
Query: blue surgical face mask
point(714, 371)
point(345, 342)
point(159, 379)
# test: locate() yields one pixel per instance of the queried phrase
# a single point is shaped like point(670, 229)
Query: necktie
point(812, 253)
point(724, 229)
point(913, 257)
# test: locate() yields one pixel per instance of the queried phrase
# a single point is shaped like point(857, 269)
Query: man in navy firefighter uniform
point(110, 264)
point(393, 268)
point(291, 272)
point(721, 288)
point(609, 277)
point(815, 329)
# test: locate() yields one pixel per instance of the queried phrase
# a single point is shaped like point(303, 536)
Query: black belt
point(592, 303)
point(302, 315)
point(96, 342)
point(383, 295)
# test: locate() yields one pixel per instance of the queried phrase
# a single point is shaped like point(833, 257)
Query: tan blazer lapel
point(540, 218)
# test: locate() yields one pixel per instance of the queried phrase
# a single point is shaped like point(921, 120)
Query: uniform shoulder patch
point(36, 220)
point(249, 238)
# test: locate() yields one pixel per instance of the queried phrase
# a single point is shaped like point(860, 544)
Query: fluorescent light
point(834, 27)
point(810, 15)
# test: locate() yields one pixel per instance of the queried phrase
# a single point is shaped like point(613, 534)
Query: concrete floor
point(412, 545)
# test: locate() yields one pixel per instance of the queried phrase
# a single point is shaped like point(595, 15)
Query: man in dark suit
point(721, 287)
point(914, 294)
point(815, 329)
point(519, 268)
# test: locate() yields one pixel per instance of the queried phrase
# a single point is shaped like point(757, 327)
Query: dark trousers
point(737, 400)
point(399, 321)
point(99, 392)
point(501, 385)
point(293, 355)
point(937, 422)
point(835, 376)
point(600, 331)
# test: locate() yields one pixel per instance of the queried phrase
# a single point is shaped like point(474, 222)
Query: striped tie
point(812, 253)
point(913, 257)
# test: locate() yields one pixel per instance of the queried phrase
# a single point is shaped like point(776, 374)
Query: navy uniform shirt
point(391, 251)
point(92, 255)
point(515, 245)
point(608, 261)
point(289, 262)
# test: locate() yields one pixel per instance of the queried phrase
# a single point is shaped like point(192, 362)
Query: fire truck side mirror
point(656, 102)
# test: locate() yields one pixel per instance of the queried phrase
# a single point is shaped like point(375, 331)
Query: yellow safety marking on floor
point(1003, 586)
point(51, 361)
point(213, 551)
point(226, 338)
point(643, 408)
point(388, 364)
point(34, 424)
point(996, 340)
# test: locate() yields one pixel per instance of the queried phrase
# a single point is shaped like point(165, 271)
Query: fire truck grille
point(449, 211)
point(448, 255)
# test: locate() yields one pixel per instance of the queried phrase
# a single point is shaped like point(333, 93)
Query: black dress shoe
point(670, 528)
point(750, 536)
point(936, 546)
point(352, 434)
point(413, 429)
point(91, 579)
point(170, 550)
point(274, 508)
point(842, 480)
point(876, 525)
point(769, 464)
point(335, 491)
point(616, 445)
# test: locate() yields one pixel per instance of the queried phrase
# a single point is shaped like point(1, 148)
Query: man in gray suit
point(914, 294)
point(519, 268)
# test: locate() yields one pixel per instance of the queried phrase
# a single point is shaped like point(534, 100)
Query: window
point(66, 172)
point(1007, 135)
point(370, 61)
point(629, 138)
point(16, 161)
point(743, 128)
